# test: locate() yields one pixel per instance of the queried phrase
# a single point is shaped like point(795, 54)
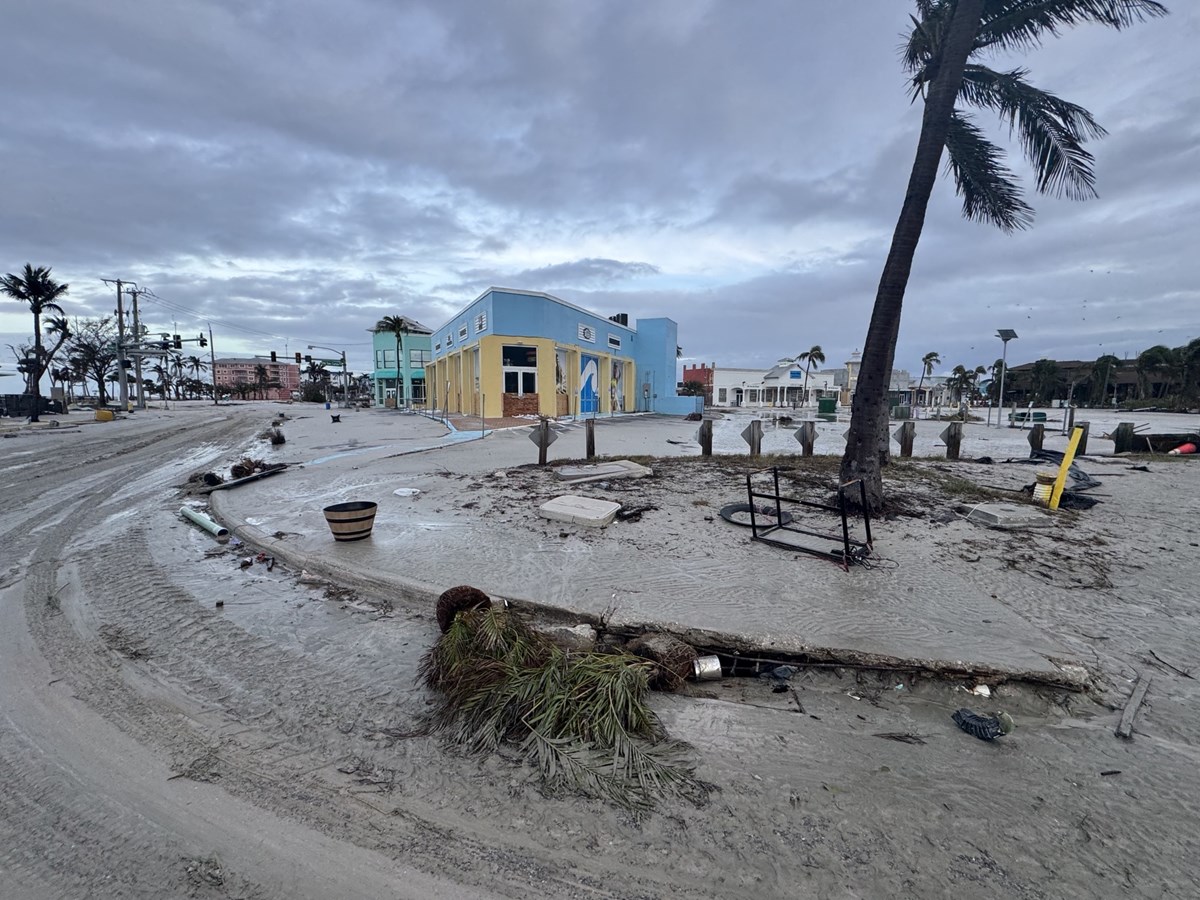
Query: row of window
point(417, 359)
point(480, 323)
point(587, 334)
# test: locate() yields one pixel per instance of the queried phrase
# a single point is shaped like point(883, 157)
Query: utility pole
point(212, 353)
point(137, 337)
point(120, 311)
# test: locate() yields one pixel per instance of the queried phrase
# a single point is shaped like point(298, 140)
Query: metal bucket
point(351, 521)
point(706, 668)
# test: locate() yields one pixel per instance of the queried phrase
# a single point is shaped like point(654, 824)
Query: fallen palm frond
point(582, 718)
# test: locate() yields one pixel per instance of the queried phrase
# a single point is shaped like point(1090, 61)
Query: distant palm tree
point(35, 287)
point(1044, 380)
point(813, 356)
point(260, 380)
point(1102, 370)
point(937, 55)
point(928, 361)
point(398, 326)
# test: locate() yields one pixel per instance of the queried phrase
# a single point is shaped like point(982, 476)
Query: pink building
point(281, 378)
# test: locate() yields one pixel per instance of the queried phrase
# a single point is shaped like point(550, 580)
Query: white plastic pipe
point(219, 531)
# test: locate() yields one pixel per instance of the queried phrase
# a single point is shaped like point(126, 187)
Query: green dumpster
point(827, 405)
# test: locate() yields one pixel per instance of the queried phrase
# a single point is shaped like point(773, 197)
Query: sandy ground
point(155, 745)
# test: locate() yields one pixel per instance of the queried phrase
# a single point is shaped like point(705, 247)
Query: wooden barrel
point(351, 521)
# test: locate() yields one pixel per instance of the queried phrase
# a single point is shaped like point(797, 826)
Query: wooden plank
point(1125, 727)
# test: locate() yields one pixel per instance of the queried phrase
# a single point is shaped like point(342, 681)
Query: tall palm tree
point(1102, 370)
point(1155, 365)
point(813, 356)
point(398, 326)
point(260, 380)
point(1044, 380)
point(928, 361)
point(35, 287)
point(1052, 132)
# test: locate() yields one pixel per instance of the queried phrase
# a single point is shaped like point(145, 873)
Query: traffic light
point(203, 340)
point(297, 357)
point(273, 358)
point(308, 359)
point(178, 342)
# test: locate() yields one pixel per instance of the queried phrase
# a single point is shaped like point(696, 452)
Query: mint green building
point(403, 384)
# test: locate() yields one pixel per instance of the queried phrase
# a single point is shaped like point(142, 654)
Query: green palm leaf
point(987, 186)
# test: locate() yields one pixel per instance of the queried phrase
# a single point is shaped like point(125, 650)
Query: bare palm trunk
point(36, 375)
point(866, 446)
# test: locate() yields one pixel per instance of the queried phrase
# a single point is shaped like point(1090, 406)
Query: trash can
point(827, 405)
point(327, 404)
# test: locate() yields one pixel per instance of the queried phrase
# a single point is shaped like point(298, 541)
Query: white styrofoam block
point(579, 510)
point(617, 468)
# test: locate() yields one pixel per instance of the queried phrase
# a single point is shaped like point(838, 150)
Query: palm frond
point(1052, 130)
point(988, 188)
point(582, 718)
point(1022, 24)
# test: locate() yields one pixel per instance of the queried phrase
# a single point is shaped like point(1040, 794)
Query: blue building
point(514, 352)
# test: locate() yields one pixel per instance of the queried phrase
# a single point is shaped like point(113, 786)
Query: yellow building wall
point(457, 369)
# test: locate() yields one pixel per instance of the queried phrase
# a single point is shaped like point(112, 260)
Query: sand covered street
point(154, 744)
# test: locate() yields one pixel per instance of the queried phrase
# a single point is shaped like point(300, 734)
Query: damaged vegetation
point(582, 718)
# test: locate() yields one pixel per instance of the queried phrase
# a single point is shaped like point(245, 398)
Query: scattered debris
point(986, 728)
point(1177, 671)
point(739, 514)
point(634, 513)
point(620, 468)
point(246, 562)
point(579, 510)
point(981, 690)
point(583, 719)
point(307, 578)
point(263, 470)
point(673, 660)
point(1005, 516)
point(903, 737)
point(406, 492)
point(1125, 726)
point(1108, 772)
point(335, 419)
point(456, 600)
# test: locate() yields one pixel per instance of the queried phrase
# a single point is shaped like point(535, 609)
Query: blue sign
point(796, 374)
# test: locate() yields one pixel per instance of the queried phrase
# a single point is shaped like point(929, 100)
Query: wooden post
point(905, 435)
point(1070, 420)
point(543, 441)
point(953, 438)
point(706, 432)
point(589, 431)
point(806, 434)
point(1036, 435)
point(1123, 438)
point(1082, 448)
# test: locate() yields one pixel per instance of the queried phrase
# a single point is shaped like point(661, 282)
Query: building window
point(449, 338)
point(614, 342)
point(462, 333)
point(418, 358)
point(587, 333)
point(437, 346)
point(481, 323)
point(722, 395)
point(519, 369)
point(519, 357)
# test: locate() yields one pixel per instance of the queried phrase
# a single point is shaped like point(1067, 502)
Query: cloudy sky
point(289, 171)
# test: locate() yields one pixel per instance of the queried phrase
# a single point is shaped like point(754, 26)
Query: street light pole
point(1005, 335)
point(345, 382)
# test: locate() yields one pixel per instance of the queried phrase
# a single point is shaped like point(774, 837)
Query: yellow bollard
point(1068, 458)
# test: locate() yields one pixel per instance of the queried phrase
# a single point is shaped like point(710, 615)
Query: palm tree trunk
point(866, 447)
point(36, 376)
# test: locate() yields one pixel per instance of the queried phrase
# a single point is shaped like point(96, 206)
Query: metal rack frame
point(852, 551)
